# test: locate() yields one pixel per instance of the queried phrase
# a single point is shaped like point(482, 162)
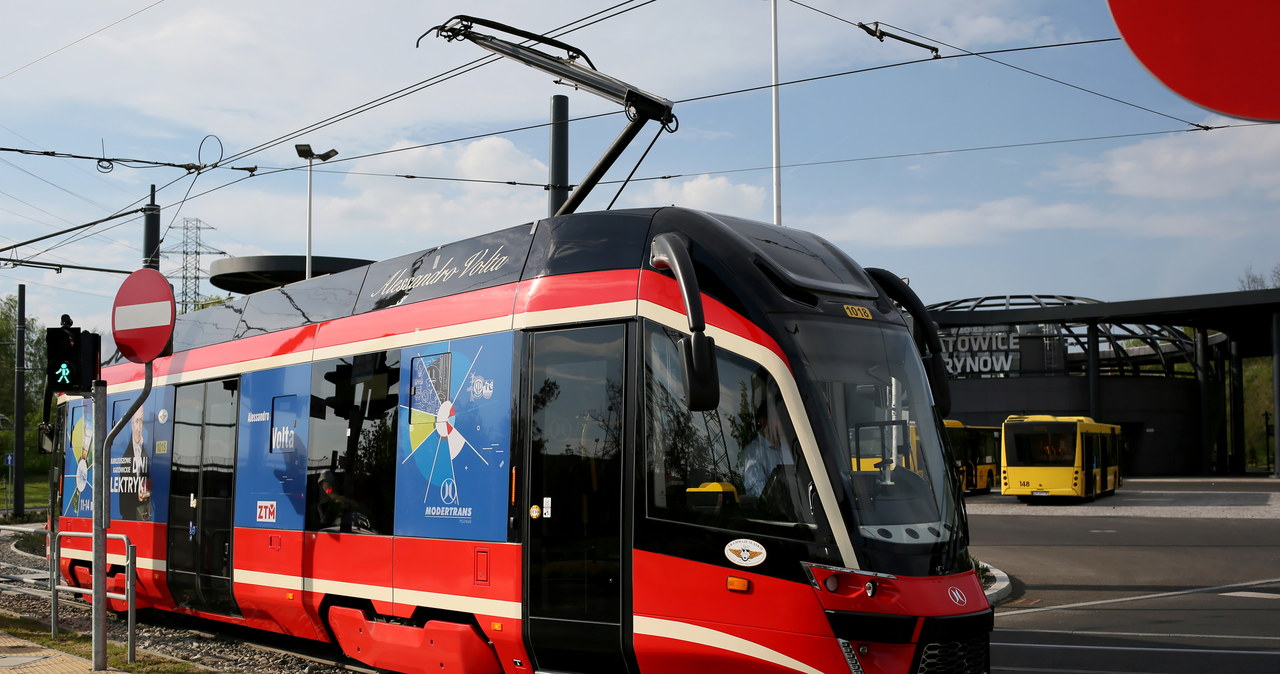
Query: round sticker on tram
point(535, 512)
point(957, 596)
point(745, 552)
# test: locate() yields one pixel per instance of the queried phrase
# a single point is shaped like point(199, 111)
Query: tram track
point(213, 646)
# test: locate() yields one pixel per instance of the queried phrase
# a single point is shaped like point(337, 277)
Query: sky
point(1053, 168)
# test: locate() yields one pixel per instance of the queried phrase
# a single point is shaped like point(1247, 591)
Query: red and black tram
point(653, 440)
point(602, 442)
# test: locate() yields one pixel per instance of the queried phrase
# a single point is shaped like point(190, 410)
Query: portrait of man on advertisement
point(133, 475)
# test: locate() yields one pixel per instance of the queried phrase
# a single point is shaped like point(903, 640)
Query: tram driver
point(770, 448)
point(338, 510)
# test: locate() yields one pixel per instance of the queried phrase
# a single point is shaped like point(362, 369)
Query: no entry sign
point(142, 316)
point(1218, 55)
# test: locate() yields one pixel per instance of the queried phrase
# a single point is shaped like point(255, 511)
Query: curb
point(999, 590)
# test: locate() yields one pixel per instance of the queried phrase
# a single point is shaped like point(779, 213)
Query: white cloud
point(1192, 165)
point(718, 195)
point(1005, 220)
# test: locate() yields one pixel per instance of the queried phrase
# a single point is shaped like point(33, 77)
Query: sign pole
point(101, 520)
point(142, 321)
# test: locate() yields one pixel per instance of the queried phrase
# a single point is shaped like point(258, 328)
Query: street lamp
point(304, 151)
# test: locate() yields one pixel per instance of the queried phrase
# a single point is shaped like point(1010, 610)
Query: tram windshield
point(888, 454)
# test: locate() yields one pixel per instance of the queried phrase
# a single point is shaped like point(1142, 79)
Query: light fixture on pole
point(305, 152)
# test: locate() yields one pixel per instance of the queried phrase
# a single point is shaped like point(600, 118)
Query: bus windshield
point(1041, 444)
point(889, 453)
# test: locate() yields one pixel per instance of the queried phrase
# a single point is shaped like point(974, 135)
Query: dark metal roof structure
point(246, 275)
point(1245, 316)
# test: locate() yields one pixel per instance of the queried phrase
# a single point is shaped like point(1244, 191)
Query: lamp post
point(304, 151)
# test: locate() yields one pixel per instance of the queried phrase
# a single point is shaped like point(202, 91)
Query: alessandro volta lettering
point(482, 262)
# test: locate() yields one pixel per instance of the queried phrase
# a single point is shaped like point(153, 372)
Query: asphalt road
point(1168, 576)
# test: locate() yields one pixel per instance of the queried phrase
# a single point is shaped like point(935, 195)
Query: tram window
point(734, 467)
point(352, 444)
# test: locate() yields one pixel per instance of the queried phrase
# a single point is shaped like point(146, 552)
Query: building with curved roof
point(1168, 371)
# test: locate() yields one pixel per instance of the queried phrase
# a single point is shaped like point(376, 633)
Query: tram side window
point(352, 437)
point(735, 467)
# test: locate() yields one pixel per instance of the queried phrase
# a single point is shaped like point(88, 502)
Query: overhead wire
point(1064, 83)
point(926, 153)
point(78, 41)
point(256, 172)
point(262, 172)
point(694, 99)
point(1007, 65)
point(438, 78)
point(572, 26)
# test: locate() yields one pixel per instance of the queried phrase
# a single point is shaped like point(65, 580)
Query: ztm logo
point(266, 511)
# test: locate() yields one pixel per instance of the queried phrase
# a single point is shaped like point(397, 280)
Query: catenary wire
point(925, 153)
point(437, 79)
point(589, 20)
point(1055, 80)
point(718, 95)
point(75, 42)
point(999, 62)
point(598, 17)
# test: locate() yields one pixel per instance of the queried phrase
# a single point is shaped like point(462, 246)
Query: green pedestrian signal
point(72, 363)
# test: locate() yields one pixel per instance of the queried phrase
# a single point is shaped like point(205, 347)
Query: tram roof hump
point(796, 262)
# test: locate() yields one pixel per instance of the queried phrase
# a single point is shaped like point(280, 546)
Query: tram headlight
point(832, 583)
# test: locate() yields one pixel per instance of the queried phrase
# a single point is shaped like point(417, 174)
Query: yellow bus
point(1059, 456)
point(976, 452)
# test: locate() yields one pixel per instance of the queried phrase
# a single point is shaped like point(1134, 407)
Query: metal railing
point(55, 561)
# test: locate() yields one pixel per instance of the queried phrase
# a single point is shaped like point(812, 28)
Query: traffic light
point(73, 363)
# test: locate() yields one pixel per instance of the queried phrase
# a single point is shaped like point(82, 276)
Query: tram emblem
point(745, 552)
point(449, 491)
point(957, 596)
point(480, 388)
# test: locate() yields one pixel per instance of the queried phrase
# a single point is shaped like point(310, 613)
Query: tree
point(33, 382)
point(1253, 281)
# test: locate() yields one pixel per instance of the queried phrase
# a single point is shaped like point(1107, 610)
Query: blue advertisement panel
point(77, 469)
point(454, 449)
point(271, 448)
point(139, 464)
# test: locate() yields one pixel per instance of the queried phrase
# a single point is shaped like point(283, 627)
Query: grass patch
point(35, 491)
point(32, 543)
point(82, 646)
point(984, 572)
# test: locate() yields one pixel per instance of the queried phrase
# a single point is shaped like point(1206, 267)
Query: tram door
point(577, 580)
point(201, 485)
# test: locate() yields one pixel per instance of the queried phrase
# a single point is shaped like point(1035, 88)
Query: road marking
point(1141, 635)
point(1161, 595)
point(1144, 649)
point(1252, 595)
point(1061, 671)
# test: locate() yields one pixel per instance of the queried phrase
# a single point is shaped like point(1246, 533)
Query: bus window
point(734, 467)
point(1049, 444)
point(351, 456)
